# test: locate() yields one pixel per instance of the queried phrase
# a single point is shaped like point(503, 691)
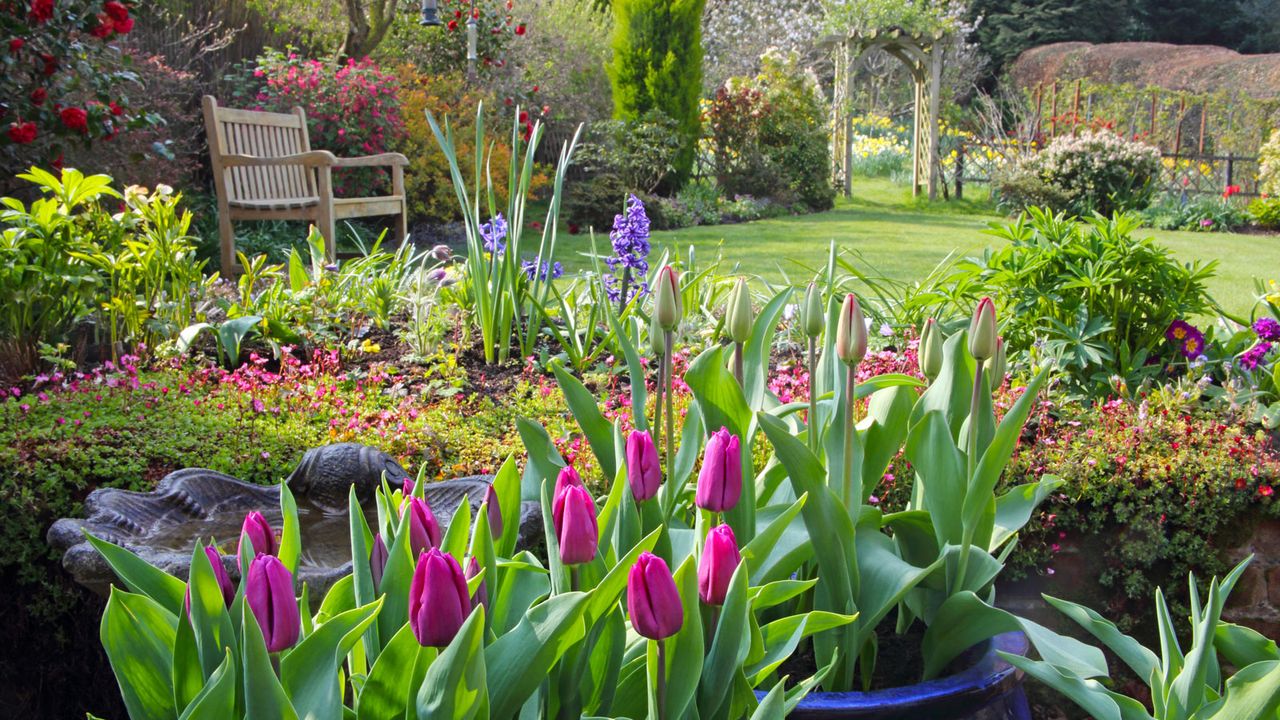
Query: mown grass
point(904, 239)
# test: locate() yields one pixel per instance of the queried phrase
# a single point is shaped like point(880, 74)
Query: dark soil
point(898, 661)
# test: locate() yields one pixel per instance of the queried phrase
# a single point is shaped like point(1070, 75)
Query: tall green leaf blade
point(455, 685)
point(310, 673)
point(217, 700)
point(1253, 693)
point(520, 660)
point(264, 696)
point(598, 430)
point(290, 537)
point(141, 577)
point(1090, 695)
point(138, 635)
point(729, 646)
point(392, 684)
point(1139, 659)
point(1015, 507)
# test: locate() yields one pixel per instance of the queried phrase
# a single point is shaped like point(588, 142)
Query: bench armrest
point(315, 158)
point(392, 159)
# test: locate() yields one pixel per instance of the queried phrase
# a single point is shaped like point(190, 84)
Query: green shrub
point(657, 65)
point(618, 158)
point(1095, 171)
point(1200, 214)
point(768, 136)
point(1269, 166)
point(1266, 212)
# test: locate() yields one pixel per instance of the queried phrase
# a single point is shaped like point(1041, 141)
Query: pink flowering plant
point(352, 108)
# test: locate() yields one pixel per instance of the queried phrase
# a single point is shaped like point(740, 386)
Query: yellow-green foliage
point(1269, 165)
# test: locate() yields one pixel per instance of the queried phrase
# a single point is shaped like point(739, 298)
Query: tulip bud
point(644, 474)
point(982, 330)
point(813, 313)
point(568, 477)
point(930, 349)
point(407, 488)
point(481, 596)
point(720, 558)
point(574, 518)
point(720, 481)
point(260, 534)
point(424, 529)
point(438, 599)
point(652, 599)
point(738, 317)
point(998, 366)
point(495, 511)
point(851, 332)
point(269, 592)
point(667, 303)
point(378, 560)
point(219, 574)
point(657, 342)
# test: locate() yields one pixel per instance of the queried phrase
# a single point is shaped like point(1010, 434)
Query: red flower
point(1265, 491)
point(520, 29)
point(115, 109)
point(123, 27)
point(524, 117)
point(104, 29)
point(75, 118)
point(116, 10)
point(41, 10)
point(38, 96)
point(1231, 190)
point(56, 164)
point(453, 25)
point(50, 64)
point(16, 44)
point(22, 133)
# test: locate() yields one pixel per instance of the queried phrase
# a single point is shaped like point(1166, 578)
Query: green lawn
point(905, 239)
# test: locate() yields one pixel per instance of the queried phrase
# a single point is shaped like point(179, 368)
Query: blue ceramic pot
point(990, 689)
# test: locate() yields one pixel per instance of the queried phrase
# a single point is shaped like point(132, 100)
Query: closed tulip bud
point(568, 476)
point(851, 332)
point(813, 313)
point(424, 529)
point(657, 342)
point(930, 349)
point(438, 599)
point(738, 317)
point(652, 599)
point(481, 595)
point(982, 330)
point(259, 532)
point(574, 519)
point(644, 474)
point(667, 302)
point(378, 560)
point(220, 574)
point(495, 511)
point(998, 366)
point(720, 557)
point(720, 481)
point(269, 593)
point(407, 488)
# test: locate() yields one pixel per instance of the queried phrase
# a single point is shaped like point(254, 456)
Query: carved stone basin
point(162, 526)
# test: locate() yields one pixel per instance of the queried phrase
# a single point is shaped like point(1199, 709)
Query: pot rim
point(989, 676)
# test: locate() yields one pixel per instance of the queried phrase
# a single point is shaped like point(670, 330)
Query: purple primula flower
point(551, 270)
point(1255, 356)
point(1267, 329)
point(494, 233)
point(1178, 331)
point(1193, 345)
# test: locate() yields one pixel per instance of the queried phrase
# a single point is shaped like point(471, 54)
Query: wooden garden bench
point(264, 169)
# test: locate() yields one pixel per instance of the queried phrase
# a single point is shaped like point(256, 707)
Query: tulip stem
point(972, 465)
point(657, 404)
point(850, 384)
point(669, 361)
point(574, 580)
point(737, 366)
point(662, 679)
point(813, 399)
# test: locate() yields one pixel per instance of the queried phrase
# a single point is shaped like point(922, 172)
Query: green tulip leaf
point(507, 486)
point(264, 696)
point(362, 589)
point(606, 593)
point(781, 637)
point(455, 685)
point(520, 660)
point(1242, 646)
point(188, 675)
point(138, 635)
point(210, 622)
point(310, 672)
point(755, 356)
point(290, 538)
point(545, 461)
point(1015, 507)
point(777, 592)
point(597, 430)
point(1142, 661)
point(141, 577)
point(781, 546)
point(396, 579)
point(1251, 694)
point(1090, 695)
point(458, 535)
point(217, 699)
point(773, 706)
point(394, 678)
point(729, 646)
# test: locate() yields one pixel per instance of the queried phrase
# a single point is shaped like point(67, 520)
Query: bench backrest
point(260, 134)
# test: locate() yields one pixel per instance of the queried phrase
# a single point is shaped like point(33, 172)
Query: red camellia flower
point(41, 10)
point(22, 133)
point(520, 29)
point(50, 64)
point(115, 109)
point(16, 44)
point(75, 118)
point(104, 29)
point(38, 96)
point(123, 27)
point(453, 25)
point(116, 10)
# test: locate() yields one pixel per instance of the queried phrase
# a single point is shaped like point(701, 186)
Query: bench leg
point(324, 218)
point(227, 241)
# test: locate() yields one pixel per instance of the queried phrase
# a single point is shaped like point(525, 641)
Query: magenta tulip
point(378, 560)
point(269, 592)
point(495, 512)
point(574, 518)
point(720, 482)
point(481, 595)
point(652, 599)
point(438, 599)
point(568, 476)
point(424, 529)
point(720, 558)
point(260, 534)
point(407, 488)
point(644, 474)
point(220, 574)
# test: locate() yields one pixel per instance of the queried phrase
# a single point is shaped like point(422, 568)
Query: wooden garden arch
point(923, 56)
